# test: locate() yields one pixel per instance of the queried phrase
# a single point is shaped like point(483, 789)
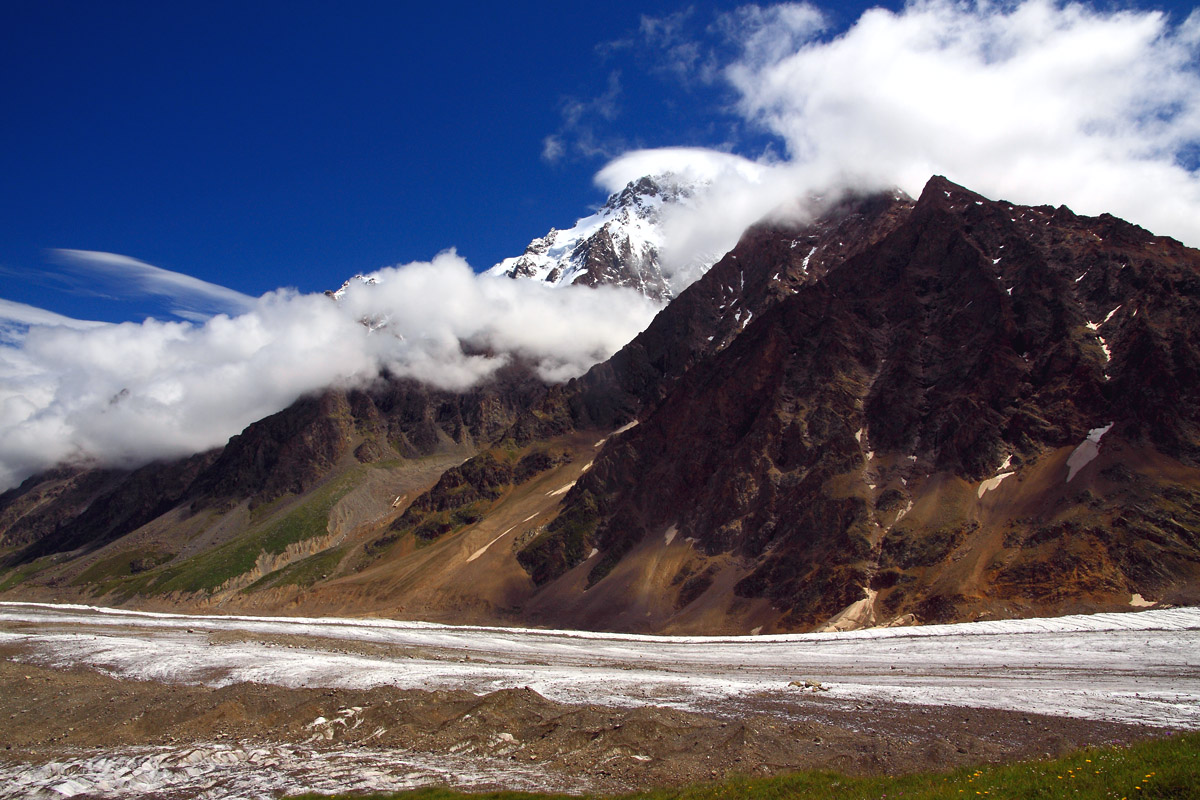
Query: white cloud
point(1033, 102)
point(767, 34)
point(128, 393)
point(433, 307)
point(16, 318)
point(580, 117)
point(553, 149)
point(678, 55)
point(190, 298)
point(693, 163)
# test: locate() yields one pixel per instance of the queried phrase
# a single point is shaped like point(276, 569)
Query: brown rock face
point(767, 266)
point(960, 338)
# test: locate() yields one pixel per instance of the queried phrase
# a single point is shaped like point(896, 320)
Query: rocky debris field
point(75, 731)
point(114, 703)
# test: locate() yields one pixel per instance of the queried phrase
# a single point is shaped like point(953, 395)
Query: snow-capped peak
point(340, 292)
point(619, 245)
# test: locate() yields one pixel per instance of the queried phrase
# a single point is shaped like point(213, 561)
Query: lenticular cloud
point(128, 393)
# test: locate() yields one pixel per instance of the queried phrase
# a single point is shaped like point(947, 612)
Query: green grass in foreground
point(1162, 769)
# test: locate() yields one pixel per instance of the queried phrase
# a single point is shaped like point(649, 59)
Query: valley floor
point(105, 702)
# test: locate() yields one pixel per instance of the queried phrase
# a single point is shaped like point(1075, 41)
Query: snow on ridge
point(340, 292)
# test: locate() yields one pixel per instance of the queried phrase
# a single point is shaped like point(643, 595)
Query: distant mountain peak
point(340, 292)
point(619, 245)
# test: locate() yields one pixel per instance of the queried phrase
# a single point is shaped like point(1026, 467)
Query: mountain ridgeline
point(907, 411)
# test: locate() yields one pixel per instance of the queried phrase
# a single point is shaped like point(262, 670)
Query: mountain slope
point(327, 466)
point(846, 445)
point(904, 411)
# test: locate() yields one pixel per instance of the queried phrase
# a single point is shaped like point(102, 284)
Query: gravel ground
point(347, 712)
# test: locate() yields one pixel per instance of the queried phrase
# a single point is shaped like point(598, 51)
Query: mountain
point(984, 409)
point(619, 245)
point(922, 410)
point(295, 483)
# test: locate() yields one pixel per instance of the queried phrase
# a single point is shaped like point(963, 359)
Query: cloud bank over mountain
point(128, 393)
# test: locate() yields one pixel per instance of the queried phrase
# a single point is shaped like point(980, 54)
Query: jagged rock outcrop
point(766, 266)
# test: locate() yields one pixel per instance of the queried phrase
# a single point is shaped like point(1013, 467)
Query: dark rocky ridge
point(954, 337)
point(766, 266)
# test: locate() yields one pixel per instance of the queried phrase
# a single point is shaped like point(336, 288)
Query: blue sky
point(259, 145)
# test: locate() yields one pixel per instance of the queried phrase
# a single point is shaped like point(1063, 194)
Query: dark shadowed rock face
point(768, 265)
point(44, 503)
point(961, 336)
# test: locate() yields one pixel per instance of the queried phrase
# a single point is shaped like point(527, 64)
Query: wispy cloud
point(581, 119)
point(187, 297)
point(678, 54)
point(767, 34)
point(17, 318)
point(23, 314)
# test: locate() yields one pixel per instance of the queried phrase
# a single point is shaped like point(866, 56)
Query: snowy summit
point(619, 245)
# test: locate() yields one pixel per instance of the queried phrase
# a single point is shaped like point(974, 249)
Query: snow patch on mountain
point(1087, 451)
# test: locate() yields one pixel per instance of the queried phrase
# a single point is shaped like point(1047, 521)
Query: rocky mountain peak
point(340, 292)
point(646, 195)
point(619, 245)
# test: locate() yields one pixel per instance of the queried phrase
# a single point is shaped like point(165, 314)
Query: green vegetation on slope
point(207, 571)
point(17, 575)
point(121, 565)
point(1161, 769)
point(303, 573)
